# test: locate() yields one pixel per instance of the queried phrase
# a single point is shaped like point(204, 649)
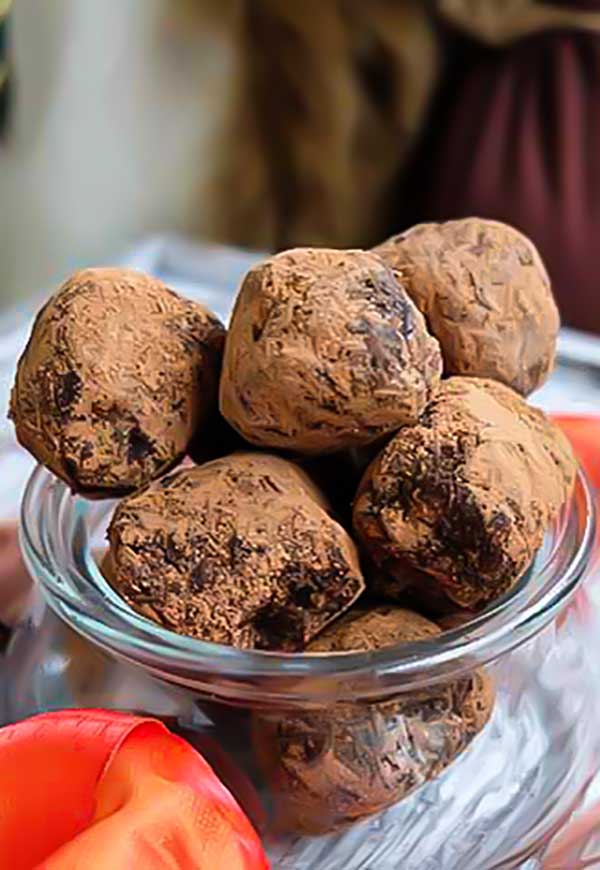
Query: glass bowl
point(496, 803)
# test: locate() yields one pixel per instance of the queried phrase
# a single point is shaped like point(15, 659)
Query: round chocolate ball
point(327, 769)
point(467, 493)
point(118, 374)
point(486, 297)
point(325, 351)
point(239, 551)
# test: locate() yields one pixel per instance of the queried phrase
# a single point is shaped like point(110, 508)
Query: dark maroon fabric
point(516, 136)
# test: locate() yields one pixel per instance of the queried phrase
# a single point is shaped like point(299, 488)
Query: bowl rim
point(53, 524)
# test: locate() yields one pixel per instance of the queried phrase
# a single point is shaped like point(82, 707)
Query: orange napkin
point(109, 791)
point(584, 434)
point(567, 849)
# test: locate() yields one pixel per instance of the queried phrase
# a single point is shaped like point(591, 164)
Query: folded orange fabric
point(584, 434)
point(107, 791)
point(575, 847)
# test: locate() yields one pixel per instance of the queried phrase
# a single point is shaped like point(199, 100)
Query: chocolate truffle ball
point(238, 551)
point(325, 352)
point(467, 494)
point(331, 768)
point(118, 374)
point(486, 296)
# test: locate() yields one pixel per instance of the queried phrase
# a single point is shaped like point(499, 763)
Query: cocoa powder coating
point(325, 351)
point(118, 374)
point(467, 493)
point(332, 768)
point(486, 297)
point(238, 551)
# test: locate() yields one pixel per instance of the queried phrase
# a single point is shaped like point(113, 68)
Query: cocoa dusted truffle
point(466, 494)
point(325, 351)
point(327, 769)
point(238, 551)
point(118, 374)
point(486, 296)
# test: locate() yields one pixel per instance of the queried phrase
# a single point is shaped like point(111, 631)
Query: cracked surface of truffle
point(467, 494)
point(329, 769)
point(239, 551)
point(325, 351)
point(486, 297)
point(118, 374)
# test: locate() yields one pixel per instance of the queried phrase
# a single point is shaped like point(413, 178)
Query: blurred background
point(272, 123)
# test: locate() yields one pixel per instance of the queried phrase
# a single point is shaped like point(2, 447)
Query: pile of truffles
point(359, 461)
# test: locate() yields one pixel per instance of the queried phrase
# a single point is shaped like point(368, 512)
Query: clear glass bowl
point(494, 806)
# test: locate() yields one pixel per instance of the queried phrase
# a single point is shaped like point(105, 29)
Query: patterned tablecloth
point(211, 274)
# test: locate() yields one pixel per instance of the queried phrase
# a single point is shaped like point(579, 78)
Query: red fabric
point(107, 791)
point(515, 136)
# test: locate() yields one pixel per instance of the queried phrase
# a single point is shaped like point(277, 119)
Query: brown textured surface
point(467, 494)
point(329, 769)
point(15, 582)
point(118, 374)
point(338, 475)
point(486, 296)
point(325, 351)
point(408, 587)
point(215, 440)
point(373, 628)
point(238, 551)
